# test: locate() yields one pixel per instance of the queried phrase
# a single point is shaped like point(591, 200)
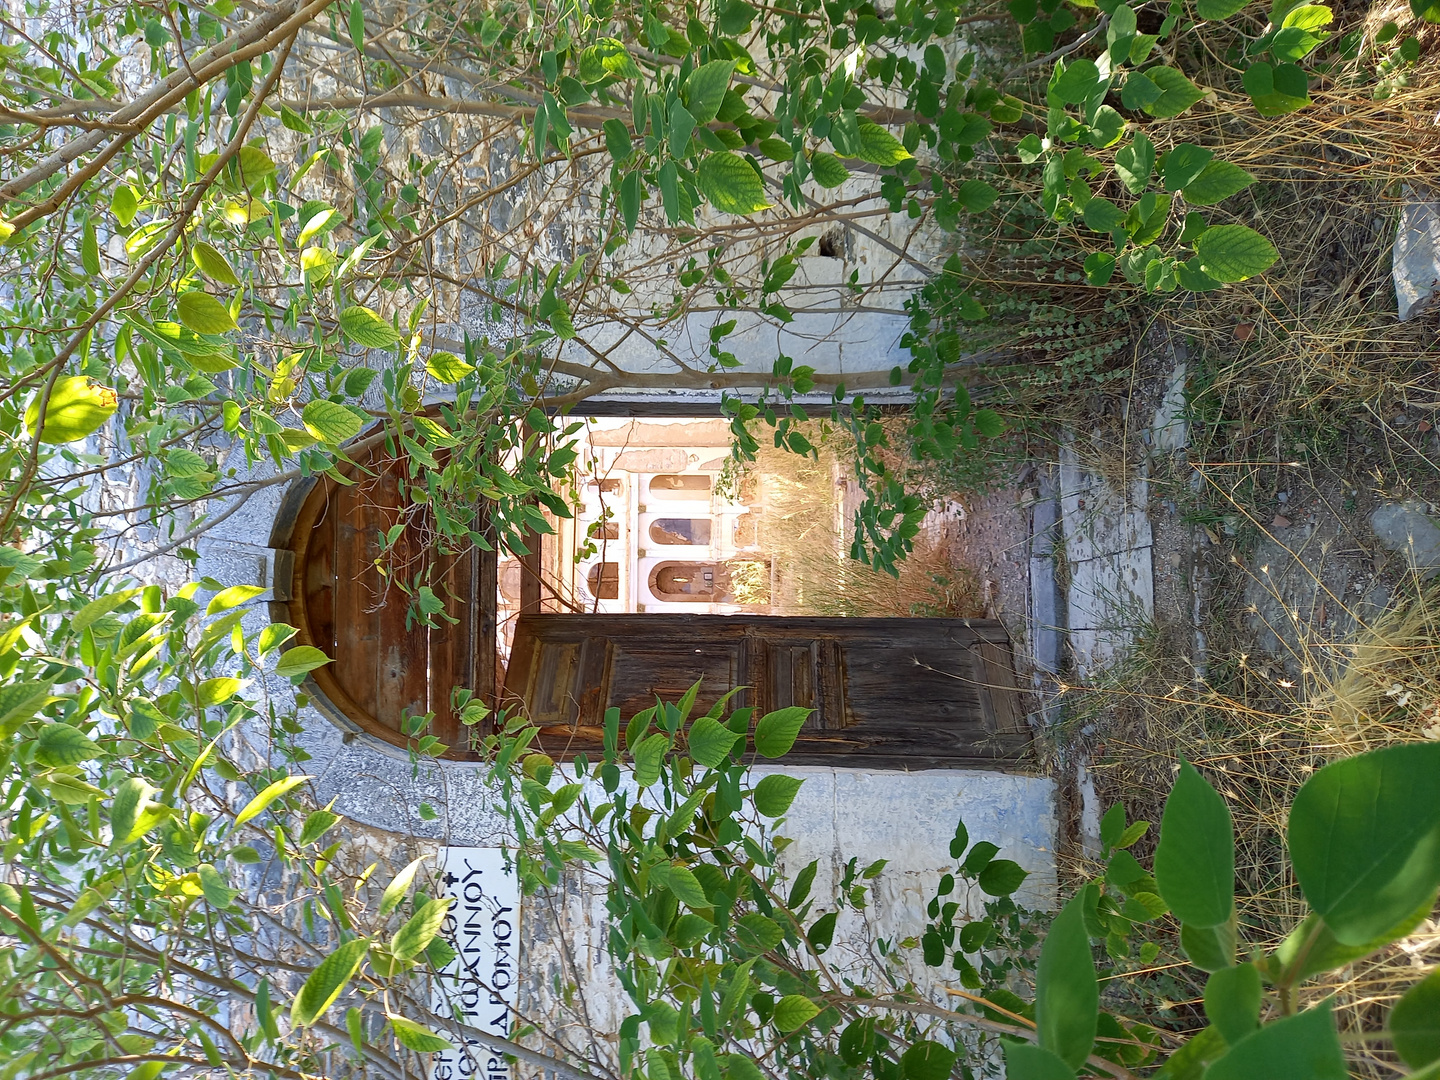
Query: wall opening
point(681, 486)
point(687, 582)
point(680, 531)
point(603, 581)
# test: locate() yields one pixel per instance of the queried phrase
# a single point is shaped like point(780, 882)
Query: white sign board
point(479, 985)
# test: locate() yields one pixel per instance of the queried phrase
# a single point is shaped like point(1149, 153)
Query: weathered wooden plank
point(484, 610)
point(402, 674)
point(996, 668)
point(450, 650)
point(318, 580)
point(357, 612)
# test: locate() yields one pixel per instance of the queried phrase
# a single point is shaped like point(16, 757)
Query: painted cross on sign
point(478, 986)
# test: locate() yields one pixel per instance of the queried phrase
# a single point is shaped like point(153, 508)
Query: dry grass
point(805, 531)
point(1258, 742)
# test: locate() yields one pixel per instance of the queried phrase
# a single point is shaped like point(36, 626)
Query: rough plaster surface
point(1111, 591)
point(1416, 260)
point(839, 814)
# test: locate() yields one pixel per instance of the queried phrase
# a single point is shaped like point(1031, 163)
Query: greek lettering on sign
point(478, 986)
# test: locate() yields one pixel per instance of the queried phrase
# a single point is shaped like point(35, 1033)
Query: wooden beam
point(487, 583)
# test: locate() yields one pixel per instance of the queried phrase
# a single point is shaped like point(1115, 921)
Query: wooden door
point(887, 693)
point(334, 584)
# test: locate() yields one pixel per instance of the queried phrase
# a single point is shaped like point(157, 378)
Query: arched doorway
point(388, 667)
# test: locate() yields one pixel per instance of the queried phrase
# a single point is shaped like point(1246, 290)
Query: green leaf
point(879, 147)
point(1195, 860)
point(1415, 1022)
point(89, 249)
point(649, 758)
point(711, 742)
point(776, 732)
point(1364, 834)
point(212, 692)
point(327, 981)
point(124, 204)
point(61, 744)
point(420, 929)
point(232, 597)
point(1135, 162)
point(1135, 831)
point(1276, 90)
point(960, 841)
point(606, 58)
point(439, 954)
point(1218, 180)
point(759, 934)
point(215, 887)
point(1075, 81)
point(1308, 17)
point(212, 264)
point(77, 406)
point(1002, 877)
point(88, 615)
point(257, 806)
point(1103, 216)
point(1234, 252)
point(705, 89)
point(399, 886)
point(357, 26)
point(1311, 947)
point(857, 1040)
point(367, 328)
point(730, 184)
point(686, 887)
point(1219, 9)
point(331, 422)
point(1099, 267)
point(927, 1060)
point(1177, 93)
point(317, 824)
point(19, 701)
point(298, 659)
point(130, 796)
point(1189, 276)
point(794, 1011)
point(976, 196)
point(204, 314)
point(1189, 1062)
point(1183, 164)
point(355, 1025)
point(822, 931)
point(415, 1036)
point(1301, 1047)
point(321, 219)
point(989, 423)
point(1210, 948)
point(448, 368)
point(1026, 1061)
point(827, 169)
point(775, 793)
point(1139, 92)
point(1107, 128)
point(1233, 997)
point(980, 856)
point(1067, 994)
point(680, 128)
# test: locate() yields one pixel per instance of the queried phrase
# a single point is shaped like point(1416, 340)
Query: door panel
point(886, 693)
